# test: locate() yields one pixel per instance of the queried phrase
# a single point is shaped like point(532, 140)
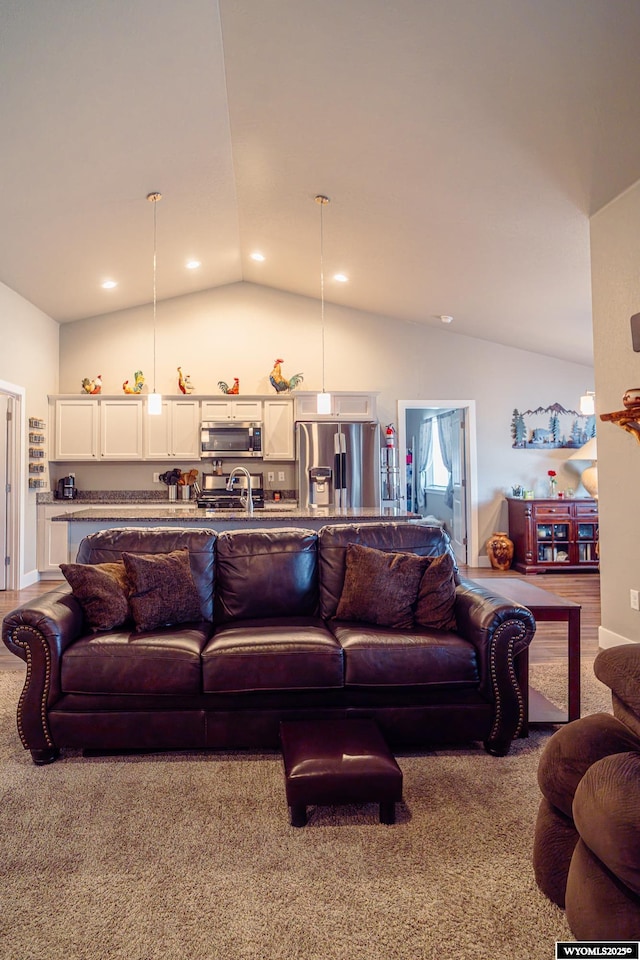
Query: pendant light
point(323, 400)
point(154, 403)
point(588, 403)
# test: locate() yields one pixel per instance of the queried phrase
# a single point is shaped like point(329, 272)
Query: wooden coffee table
point(544, 606)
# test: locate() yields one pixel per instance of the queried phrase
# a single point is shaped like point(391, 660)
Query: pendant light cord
point(322, 201)
point(155, 296)
point(153, 198)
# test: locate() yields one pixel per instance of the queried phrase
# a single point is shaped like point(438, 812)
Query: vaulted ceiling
point(464, 145)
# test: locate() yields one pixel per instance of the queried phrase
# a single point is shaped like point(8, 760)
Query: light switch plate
point(635, 332)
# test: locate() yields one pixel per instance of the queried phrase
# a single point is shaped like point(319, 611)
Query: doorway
point(448, 430)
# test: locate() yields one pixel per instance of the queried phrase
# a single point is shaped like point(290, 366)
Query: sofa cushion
point(382, 657)
point(280, 654)
point(102, 590)
point(119, 662)
point(266, 573)
point(435, 605)
point(161, 589)
point(419, 538)
point(380, 587)
point(109, 545)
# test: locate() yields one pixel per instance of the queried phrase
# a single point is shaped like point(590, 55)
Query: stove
point(215, 496)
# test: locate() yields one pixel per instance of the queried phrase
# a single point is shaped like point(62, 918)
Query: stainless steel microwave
point(231, 438)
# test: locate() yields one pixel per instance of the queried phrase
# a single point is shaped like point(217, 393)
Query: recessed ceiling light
point(341, 278)
point(109, 284)
point(193, 264)
point(258, 256)
point(445, 318)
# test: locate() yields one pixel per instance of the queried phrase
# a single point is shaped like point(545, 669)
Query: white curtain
point(445, 433)
point(424, 458)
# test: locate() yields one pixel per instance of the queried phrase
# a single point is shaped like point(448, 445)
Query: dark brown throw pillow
point(380, 587)
point(437, 595)
point(102, 590)
point(162, 590)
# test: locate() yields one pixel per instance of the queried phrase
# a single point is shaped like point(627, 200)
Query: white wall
point(615, 247)
point(29, 360)
point(238, 331)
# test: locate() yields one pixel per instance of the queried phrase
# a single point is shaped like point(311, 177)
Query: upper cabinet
point(175, 433)
point(345, 406)
point(121, 429)
point(277, 430)
point(232, 408)
point(86, 429)
point(76, 430)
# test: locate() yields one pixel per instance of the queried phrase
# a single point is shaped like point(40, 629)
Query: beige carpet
point(191, 857)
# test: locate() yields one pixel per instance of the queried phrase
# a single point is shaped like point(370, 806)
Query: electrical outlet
point(270, 476)
point(156, 478)
point(280, 476)
point(635, 599)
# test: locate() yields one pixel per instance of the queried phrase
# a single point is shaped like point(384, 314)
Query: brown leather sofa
point(586, 852)
point(268, 648)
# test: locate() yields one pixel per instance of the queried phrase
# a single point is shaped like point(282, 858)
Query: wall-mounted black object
point(635, 332)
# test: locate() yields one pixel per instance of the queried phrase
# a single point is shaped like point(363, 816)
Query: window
point(437, 473)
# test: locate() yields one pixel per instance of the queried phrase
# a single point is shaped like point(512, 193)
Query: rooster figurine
point(92, 386)
point(138, 385)
point(232, 391)
point(279, 383)
point(184, 383)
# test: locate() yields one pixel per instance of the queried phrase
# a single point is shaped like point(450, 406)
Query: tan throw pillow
point(102, 590)
point(380, 587)
point(437, 595)
point(162, 590)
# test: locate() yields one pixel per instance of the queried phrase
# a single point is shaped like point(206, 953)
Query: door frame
point(471, 475)
point(16, 448)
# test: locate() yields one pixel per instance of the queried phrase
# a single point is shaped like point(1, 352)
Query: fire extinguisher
point(390, 435)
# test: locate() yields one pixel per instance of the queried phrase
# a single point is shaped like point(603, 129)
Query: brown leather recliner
point(587, 841)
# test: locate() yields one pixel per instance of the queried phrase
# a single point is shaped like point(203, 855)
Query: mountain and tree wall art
point(551, 427)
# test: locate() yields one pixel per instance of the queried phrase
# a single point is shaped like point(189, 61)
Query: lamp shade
point(589, 476)
point(589, 451)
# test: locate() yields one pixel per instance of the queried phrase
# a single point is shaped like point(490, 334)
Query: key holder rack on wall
point(629, 418)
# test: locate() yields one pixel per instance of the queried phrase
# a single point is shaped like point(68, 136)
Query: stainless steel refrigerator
point(338, 464)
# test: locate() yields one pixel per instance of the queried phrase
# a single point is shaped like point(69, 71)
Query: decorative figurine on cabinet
point(279, 383)
point(137, 386)
point(92, 386)
point(234, 390)
point(184, 383)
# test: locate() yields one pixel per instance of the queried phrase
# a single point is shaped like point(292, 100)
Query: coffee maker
point(66, 489)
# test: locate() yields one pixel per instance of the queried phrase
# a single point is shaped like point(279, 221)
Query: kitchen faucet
point(249, 498)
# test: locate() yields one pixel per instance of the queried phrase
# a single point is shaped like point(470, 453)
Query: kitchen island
point(165, 514)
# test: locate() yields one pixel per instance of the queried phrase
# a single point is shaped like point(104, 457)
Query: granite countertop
point(184, 513)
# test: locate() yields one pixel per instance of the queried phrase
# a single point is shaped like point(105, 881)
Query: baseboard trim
point(607, 638)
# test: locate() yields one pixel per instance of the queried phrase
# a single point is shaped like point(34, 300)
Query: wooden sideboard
point(554, 534)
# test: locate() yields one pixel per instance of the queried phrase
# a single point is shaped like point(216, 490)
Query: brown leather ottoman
point(338, 761)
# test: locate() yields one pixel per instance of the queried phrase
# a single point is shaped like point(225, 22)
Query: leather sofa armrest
point(500, 630)
point(38, 632)
point(619, 669)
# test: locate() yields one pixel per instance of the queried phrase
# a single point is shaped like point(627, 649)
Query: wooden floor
point(549, 644)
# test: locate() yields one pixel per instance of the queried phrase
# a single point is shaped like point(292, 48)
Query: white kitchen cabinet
point(76, 430)
point(277, 430)
point(344, 406)
point(98, 429)
point(52, 540)
point(175, 433)
point(232, 408)
point(121, 429)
